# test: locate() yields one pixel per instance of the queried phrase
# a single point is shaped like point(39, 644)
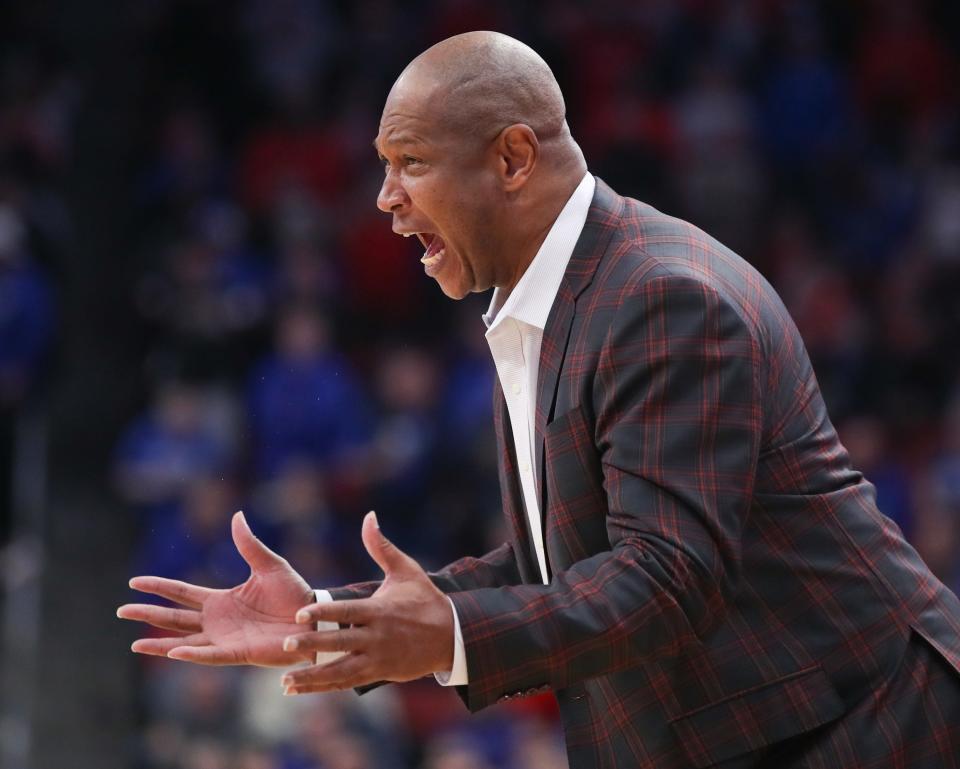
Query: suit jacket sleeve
point(676, 416)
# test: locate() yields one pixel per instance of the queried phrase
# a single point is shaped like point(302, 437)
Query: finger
point(347, 640)
point(160, 647)
point(353, 612)
point(173, 590)
point(345, 673)
point(387, 555)
point(206, 654)
point(340, 686)
point(183, 620)
point(257, 555)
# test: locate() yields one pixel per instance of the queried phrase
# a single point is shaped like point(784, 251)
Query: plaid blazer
point(721, 578)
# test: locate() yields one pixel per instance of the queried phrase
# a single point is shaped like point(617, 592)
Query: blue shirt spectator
point(305, 401)
point(26, 313)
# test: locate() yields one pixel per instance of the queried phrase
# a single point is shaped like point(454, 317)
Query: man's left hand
point(403, 631)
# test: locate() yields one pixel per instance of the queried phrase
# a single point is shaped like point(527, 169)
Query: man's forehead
point(405, 123)
point(401, 131)
point(395, 139)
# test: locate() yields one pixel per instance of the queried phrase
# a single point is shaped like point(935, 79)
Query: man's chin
point(455, 286)
point(454, 291)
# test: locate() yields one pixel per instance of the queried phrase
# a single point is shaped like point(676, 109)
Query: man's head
point(478, 158)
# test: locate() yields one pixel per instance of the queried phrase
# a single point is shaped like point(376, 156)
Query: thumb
point(388, 556)
point(257, 555)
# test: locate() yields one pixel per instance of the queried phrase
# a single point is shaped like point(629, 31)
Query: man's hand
point(401, 632)
point(245, 625)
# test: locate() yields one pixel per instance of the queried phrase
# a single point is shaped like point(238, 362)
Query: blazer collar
point(602, 220)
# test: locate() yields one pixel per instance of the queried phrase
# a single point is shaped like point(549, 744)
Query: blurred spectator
point(256, 758)
point(336, 735)
point(26, 312)
point(206, 753)
point(292, 512)
point(382, 272)
point(298, 153)
point(26, 324)
point(903, 71)
point(454, 753)
point(720, 179)
point(188, 167)
point(805, 100)
point(307, 274)
point(290, 40)
point(37, 106)
point(405, 445)
point(210, 297)
point(539, 746)
point(176, 442)
point(305, 400)
point(192, 540)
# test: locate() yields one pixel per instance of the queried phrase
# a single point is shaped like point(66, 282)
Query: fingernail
point(289, 692)
point(289, 644)
point(119, 614)
point(303, 617)
point(287, 681)
point(375, 521)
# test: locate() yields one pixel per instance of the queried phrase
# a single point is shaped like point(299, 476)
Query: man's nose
point(392, 195)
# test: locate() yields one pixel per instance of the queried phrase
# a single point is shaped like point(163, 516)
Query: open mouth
point(436, 249)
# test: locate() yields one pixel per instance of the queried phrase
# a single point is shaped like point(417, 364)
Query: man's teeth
point(407, 234)
point(430, 260)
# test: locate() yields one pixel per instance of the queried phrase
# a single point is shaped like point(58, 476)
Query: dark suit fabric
point(724, 591)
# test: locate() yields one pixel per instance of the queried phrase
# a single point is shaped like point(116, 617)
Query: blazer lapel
point(511, 494)
point(602, 219)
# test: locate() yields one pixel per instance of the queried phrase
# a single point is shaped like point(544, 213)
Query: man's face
point(439, 186)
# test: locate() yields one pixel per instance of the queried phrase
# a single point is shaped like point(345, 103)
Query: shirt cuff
point(323, 596)
point(458, 675)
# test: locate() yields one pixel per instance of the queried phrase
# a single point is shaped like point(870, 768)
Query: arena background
point(201, 310)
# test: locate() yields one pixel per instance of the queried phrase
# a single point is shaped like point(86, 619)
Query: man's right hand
point(245, 625)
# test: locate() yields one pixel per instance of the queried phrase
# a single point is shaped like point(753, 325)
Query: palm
point(245, 625)
point(252, 619)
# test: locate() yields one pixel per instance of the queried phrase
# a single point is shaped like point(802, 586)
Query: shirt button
point(516, 389)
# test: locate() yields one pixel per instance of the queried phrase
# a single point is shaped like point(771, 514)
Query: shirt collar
point(533, 296)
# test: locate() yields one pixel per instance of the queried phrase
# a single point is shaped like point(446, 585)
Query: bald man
point(693, 568)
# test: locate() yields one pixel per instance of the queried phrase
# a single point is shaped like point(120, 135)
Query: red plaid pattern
point(724, 589)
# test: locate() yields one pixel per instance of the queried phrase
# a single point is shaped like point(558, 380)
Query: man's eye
point(410, 161)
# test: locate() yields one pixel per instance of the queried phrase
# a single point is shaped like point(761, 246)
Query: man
point(694, 568)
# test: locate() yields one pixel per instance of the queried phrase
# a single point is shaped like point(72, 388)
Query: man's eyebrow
point(395, 140)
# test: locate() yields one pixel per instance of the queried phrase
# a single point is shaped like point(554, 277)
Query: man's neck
point(545, 213)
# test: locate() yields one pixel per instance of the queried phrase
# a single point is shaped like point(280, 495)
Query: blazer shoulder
point(649, 245)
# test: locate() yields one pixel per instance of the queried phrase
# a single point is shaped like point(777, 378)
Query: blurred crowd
point(298, 365)
point(37, 100)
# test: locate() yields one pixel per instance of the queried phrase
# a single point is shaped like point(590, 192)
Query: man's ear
point(518, 151)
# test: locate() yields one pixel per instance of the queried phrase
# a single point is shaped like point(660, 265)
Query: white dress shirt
point(515, 324)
